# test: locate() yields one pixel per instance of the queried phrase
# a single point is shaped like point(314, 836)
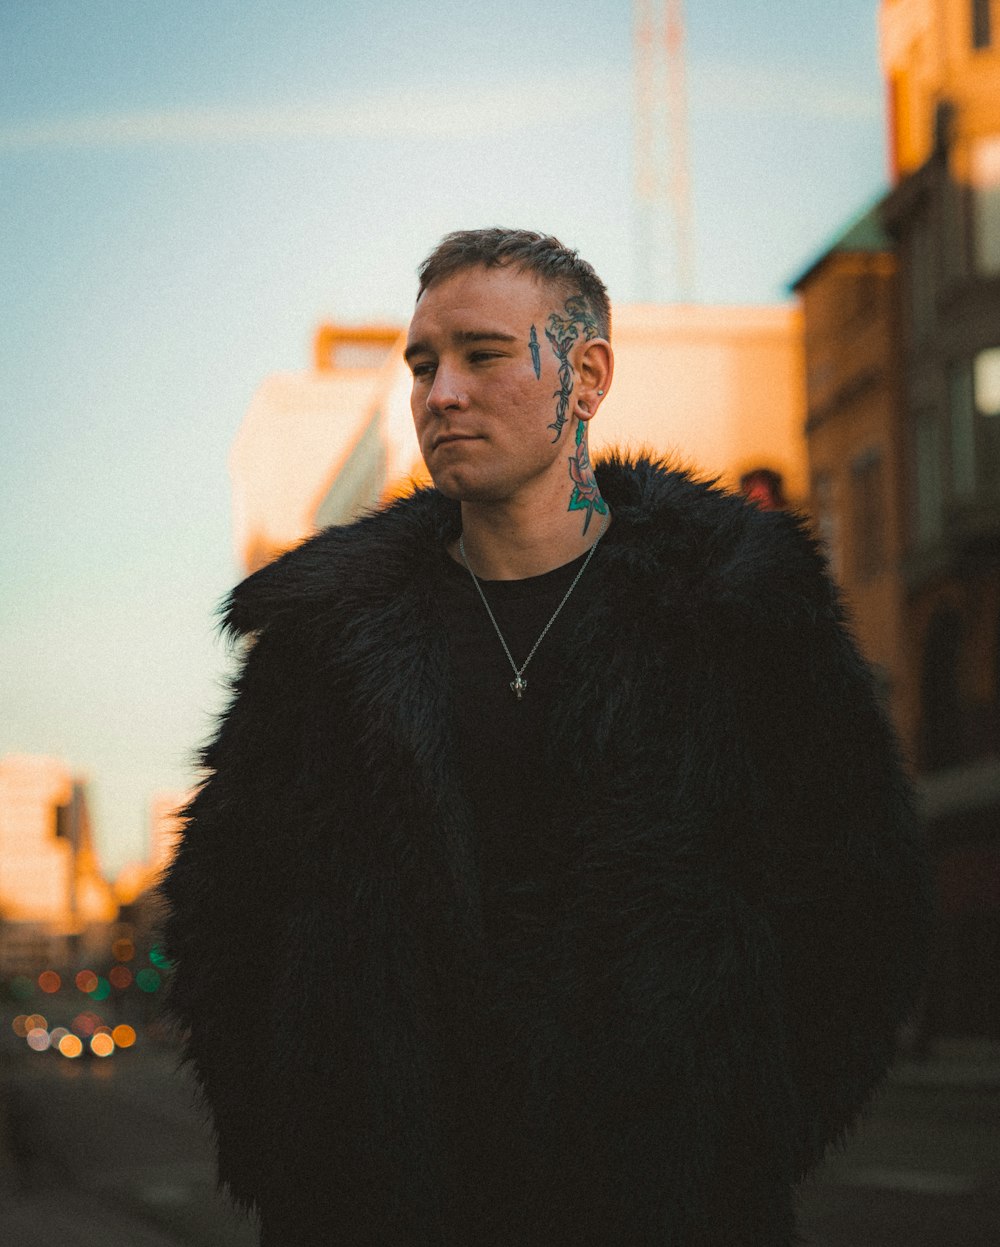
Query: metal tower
point(664, 234)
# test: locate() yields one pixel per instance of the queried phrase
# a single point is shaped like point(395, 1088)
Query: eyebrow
point(464, 337)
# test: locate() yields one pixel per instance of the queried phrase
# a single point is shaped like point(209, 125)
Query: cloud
point(455, 110)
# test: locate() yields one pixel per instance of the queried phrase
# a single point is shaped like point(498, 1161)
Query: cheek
point(418, 411)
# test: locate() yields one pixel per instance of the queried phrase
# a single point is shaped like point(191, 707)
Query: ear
point(594, 369)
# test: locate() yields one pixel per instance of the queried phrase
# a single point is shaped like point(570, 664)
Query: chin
point(461, 486)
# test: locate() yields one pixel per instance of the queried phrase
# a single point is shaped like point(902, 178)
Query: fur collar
point(688, 574)
point(672, 532)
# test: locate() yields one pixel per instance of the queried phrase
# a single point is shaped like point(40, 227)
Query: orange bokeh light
point(102, 1044)
point(20, 1025)
point(123, 950)
point(71, 1046)
point(123, 1035)
point(49, 981)
point(86, 980)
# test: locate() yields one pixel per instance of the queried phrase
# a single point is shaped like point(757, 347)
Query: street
point(113, 1154)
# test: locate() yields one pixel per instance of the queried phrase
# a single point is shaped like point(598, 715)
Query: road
point(113, 1154)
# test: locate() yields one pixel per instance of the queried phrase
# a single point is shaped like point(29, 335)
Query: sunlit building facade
point(54, 903)
point(317, 447)
point(139, 877)
point(849, 300)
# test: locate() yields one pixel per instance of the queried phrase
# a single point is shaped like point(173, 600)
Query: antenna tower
point(664, 248)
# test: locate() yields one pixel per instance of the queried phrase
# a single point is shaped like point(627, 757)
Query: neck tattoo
point(519, 685)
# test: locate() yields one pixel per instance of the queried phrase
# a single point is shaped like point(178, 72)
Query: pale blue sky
point(186, 189)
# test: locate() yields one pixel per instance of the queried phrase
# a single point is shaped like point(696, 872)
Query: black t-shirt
point(505, 763)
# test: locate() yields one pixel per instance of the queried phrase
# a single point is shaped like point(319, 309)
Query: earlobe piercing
point(600, 393)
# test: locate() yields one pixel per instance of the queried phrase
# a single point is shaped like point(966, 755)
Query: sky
point(188, 189)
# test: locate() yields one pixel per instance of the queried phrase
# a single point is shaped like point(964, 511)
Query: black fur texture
point(711, 993)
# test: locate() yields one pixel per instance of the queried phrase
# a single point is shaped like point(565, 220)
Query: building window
point(941, 702)
point(982, 35)
point(826, 519)
point(986, 203)
point(921, 275)
point(974, 426)
point(928, 476)
point(867, 516)
point(986, 398)
point(955, 211)
point(986, 372)
point(962, 426)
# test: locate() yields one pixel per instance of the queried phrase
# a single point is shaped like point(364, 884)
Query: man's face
point(485, 380)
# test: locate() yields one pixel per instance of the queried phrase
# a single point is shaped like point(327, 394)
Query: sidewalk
point(121, 1159)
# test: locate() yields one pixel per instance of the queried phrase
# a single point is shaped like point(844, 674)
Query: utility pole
point(664, 248)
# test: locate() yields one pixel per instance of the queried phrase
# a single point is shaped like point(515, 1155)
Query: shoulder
point(344, 569)
point(710, 549)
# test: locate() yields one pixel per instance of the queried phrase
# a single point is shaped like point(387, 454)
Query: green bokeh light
point(102, 991)
point(159, 958)
point(21, 987)
point(147, 980)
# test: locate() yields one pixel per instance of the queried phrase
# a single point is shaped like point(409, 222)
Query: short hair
point(531, 252)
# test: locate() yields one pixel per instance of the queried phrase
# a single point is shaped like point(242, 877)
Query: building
point(849, 301)
point(55, 905)
point(902, 331)
point(942, 61)
point(718, 389)
point(316, 447)
point(139, 877)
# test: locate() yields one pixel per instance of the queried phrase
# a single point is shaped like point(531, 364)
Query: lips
point(448, 439)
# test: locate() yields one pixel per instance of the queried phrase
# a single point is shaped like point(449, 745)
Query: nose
point(446, 392)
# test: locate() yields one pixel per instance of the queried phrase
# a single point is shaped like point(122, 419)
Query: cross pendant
point(517, 686)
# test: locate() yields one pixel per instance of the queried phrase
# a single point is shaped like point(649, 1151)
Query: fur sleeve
point(836, 862)
point(219, 894)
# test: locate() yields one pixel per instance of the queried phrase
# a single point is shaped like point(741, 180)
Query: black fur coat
point(739, 930)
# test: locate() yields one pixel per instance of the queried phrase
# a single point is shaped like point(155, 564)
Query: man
point(554, 880)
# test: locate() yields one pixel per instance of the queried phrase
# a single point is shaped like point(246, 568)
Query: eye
point(422, 370)
point(482, 357)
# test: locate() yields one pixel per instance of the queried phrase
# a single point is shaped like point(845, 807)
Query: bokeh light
point(20, 1025)
point(159, 958)
point(86, 980)
point(147, 980)
point(101, 990)
point(120, 977)
point(123, 1035)
point(123, 950)
point(57, 1034)
point(49, 981)
point(38, 1039)
point(21, 987)
point(102, 1044)
point(70, 1046)
point(35, 1021)
point(85, 1023)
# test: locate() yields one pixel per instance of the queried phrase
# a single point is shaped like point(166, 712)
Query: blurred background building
point(54, 904)
point(902, 340)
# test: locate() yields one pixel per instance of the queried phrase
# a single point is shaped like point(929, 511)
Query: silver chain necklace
point(519, 684)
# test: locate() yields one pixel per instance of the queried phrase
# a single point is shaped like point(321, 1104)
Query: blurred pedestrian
point(554, 880)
